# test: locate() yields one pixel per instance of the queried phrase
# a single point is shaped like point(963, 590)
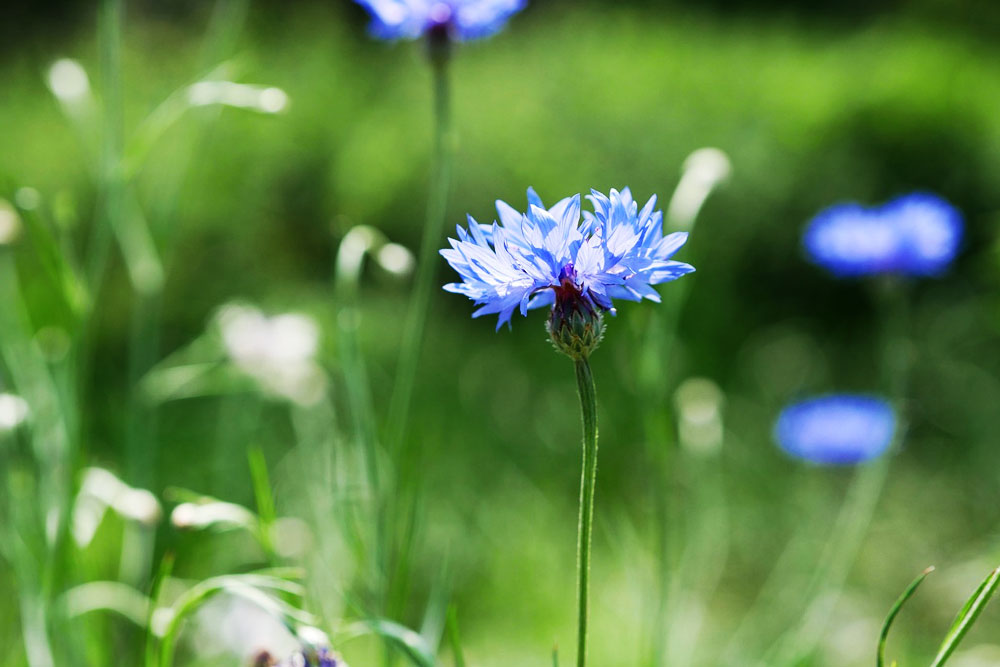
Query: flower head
point(458, 19)
point(552, 257)
point(841, 429)
point(915, 235)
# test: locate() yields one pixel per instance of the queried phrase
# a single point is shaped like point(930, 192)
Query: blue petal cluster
point(841, 429)
point(529, 260)
point(459, 19)
point(914, 235)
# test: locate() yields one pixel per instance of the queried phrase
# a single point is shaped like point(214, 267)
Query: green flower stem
point(588, 480)
point(403, 492)
point(416, 317)
point(847, 536)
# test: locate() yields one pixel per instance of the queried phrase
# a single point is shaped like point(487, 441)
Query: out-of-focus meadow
point(812, 105)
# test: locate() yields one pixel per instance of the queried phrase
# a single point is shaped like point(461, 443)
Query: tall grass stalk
point(656, 379)
point(358, 242)
point(40, 564)
point(401, 514)
point(416, 316)
point(847, 536)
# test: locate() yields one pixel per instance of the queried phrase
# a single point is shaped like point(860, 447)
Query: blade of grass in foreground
point(970, 612)
point(454, 637)
point(907, 594)
point(410, 643)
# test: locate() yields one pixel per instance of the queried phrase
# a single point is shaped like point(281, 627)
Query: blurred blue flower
point(840, 429)
point(458, 19)
point(549, 256)
point(914, 235)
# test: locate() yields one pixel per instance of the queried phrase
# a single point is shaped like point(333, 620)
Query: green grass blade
point(970, 612)
point(907, 594)
point(264, 498)
point(164, 571)
point(411, 643)
point(454, 638)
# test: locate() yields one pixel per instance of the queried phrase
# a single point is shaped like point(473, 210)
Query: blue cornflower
point(840, 429)
point(914, 235)
point(550, 257)
point(458, 19)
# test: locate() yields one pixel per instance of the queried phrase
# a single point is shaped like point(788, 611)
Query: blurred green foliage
point(571, 97)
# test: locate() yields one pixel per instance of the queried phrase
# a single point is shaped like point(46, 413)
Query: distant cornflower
point(841, 429)
point(549, 257)
point(914, 235)
point(457, 19)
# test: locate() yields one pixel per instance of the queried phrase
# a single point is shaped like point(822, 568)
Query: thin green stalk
point(416, 317)
point(356, 244)
point(836, 562)
point(588, 480)
point(859, 507)
point(51, 448)
point(454, 637)
point(111, 185)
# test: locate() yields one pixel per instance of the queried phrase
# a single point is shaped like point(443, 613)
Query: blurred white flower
point(699, 410)
point(257, 98)
point(68, 80)
point(278, 352)
point(363, 240)
point(395, 259)
point(313, 636)
point(100, 491)
point(209, 514)
point(704, 169)
point(10, 223)
point(13, 411)
point(236, 626)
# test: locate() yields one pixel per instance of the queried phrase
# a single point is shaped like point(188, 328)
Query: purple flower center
point(567, 276)
point(569, 296)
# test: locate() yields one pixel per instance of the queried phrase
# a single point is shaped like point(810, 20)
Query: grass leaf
point(907, 594)
point(970, 612)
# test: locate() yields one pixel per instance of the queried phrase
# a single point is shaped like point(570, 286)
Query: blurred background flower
point(459, 19)
point(840, 429)
point(912, 235)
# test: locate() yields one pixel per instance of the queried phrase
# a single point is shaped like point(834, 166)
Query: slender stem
point(847, 536)
point(588, 480)
point(112, 142)
point(416, 317)
point(835, 564)
point(414, 326)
